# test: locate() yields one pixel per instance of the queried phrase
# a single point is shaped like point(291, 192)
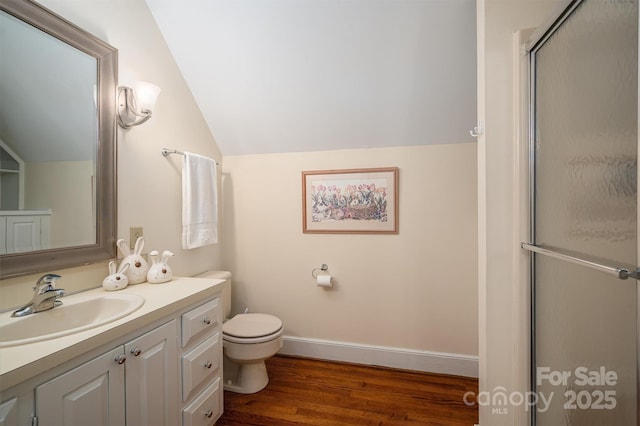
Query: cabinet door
point(23, 234)
point(18, 410)
point(152, 378)
point(91, 394)
point(9, 412)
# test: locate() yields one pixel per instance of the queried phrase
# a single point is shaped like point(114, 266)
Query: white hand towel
point(199, 201)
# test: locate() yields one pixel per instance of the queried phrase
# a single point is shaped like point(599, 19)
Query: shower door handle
point(621, 273)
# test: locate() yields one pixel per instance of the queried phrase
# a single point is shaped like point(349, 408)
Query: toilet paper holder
point(323, 267)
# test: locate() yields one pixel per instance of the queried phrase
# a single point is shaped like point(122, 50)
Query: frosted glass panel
point(585, 321)
point(586, 97)
point(586, 132)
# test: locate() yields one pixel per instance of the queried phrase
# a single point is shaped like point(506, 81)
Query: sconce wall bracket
point(128, 115)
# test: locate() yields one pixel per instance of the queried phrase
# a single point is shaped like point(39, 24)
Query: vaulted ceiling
point(309, 75)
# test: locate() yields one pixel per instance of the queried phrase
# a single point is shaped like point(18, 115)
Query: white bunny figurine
point(116, 280)
point(137, 273)
point(159, 272)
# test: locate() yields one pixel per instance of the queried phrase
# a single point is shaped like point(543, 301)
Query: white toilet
point(248, 340)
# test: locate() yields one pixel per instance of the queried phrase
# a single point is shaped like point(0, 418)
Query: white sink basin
point(77, 313)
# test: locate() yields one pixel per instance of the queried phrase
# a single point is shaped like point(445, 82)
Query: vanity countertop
point(19, 363)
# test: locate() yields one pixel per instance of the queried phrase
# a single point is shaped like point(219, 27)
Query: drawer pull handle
point(206, 320)
point(208, 414)
point(136, 351)
point(208, 364)
point(120, 359)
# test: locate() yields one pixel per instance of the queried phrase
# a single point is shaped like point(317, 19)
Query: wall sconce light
point(136, 104)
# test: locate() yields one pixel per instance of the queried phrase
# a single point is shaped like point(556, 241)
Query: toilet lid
point(251, 325)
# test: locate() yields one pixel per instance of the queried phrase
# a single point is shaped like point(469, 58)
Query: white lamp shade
point(146, 95)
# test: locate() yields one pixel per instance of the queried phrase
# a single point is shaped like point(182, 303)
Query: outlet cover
point(134, 233)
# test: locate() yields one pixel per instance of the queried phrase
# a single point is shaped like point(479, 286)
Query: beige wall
point(149, 185)
point(502, 337)
point(52, 185)
point(416, 290)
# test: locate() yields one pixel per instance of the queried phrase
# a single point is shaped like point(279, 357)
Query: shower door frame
point(540, 36)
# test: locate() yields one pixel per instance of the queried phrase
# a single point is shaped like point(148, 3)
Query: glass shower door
point(584, 75)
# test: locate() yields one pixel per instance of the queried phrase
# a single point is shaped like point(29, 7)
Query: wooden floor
point(310, 392)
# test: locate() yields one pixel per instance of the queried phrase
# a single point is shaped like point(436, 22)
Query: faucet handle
point(45, 283)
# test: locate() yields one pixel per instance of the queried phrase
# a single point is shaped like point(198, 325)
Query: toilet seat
point(252, 328)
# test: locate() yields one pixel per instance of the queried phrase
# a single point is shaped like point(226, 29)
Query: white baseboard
point(407, 359)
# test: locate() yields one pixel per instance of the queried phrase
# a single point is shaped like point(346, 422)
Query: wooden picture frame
point(350, 201)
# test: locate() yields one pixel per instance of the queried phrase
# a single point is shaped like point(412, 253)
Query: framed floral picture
point(351, 201)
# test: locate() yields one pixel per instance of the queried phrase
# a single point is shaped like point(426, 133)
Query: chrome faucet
point(45, 296)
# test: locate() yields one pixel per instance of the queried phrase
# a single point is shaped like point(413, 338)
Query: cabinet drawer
point(205, 409)
point(199, 320)
point(200, 364)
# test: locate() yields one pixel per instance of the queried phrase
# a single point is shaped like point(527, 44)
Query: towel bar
point(166, 152)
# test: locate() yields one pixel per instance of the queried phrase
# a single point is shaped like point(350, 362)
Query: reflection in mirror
point(57, 138)
point(53, 183)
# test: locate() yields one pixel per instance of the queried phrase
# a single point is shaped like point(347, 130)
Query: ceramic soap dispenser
point(160, 271)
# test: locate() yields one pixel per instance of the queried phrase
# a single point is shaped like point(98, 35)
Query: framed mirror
point(58, 203)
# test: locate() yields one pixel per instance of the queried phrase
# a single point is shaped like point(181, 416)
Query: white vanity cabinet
point(152, 378)
point(9, 412)
point(167, 374)
point(201, 364)
point(138, 379)
point(91, 394)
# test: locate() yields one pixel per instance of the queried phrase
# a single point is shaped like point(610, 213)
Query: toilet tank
point(226, 288)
